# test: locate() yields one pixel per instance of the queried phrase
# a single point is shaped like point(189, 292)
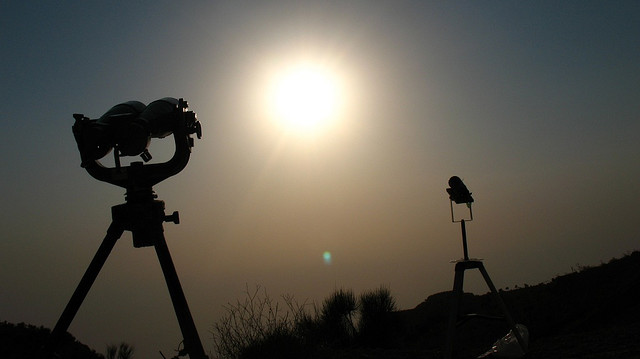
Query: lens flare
point(326, 256)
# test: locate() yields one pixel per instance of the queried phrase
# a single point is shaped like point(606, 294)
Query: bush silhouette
point(337, 317)
point(258, 327)
point(123, 351)
point(26, 341)
point(283, 344)
point(375, 325)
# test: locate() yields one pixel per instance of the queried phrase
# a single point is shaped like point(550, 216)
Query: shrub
point(124, 351)
point(259, 327)
point(375, 325)
point(337, 316)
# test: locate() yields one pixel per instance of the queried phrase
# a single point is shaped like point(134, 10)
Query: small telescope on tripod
point(459, 193)
point(127, 130)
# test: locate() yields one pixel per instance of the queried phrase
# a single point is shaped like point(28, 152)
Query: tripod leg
point(192, 342)
point(504, 308)
point(453, 311)
point(113, 234)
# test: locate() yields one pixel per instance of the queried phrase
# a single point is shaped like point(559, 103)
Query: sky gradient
point(536, 106)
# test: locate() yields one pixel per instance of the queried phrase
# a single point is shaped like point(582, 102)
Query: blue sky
point(535, 105)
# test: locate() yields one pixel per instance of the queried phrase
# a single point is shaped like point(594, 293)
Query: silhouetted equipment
point(127, 129)
point(459, 194)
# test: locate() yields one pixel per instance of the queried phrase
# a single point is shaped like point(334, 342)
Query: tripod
point(461, 266)
point(143, 215)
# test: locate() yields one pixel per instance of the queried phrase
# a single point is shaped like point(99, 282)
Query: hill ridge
point(587, 305)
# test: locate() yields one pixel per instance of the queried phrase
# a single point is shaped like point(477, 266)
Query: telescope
point(458, 192)
point(127, 130)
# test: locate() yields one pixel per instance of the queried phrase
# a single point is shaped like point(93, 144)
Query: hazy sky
point(536, 105)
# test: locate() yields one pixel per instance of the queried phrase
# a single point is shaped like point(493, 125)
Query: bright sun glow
point(305, 99)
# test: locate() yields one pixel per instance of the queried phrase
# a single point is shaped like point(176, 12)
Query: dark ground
point(24, 341)
point(591, 313)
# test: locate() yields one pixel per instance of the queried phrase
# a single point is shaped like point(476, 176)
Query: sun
point(305, 98)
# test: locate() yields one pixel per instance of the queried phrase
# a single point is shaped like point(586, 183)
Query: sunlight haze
point(330, 129)
point(304, 98)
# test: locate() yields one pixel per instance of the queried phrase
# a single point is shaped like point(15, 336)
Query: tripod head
point(127, 129)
